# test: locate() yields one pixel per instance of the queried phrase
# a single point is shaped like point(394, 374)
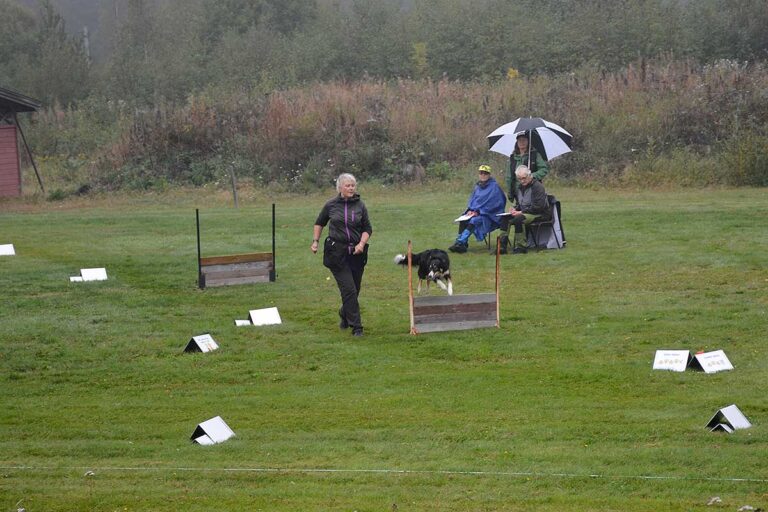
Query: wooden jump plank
point(236, 258)
point(234, 280)
point(456, 317)
point(225, 274)
point(443, 300)
point(455, 308)
point(452, 313)
point(454, 326)
point(253, 265)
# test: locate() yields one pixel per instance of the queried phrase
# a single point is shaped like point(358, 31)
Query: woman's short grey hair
point(522, 171)
point(342, 179)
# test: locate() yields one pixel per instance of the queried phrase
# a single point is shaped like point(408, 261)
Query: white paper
point(94, 274)
point(673, 360)
point(241, 323)
point(464, 217)
point(266, 316)
point(7, 250)
point(713, 362)
point(76, 279)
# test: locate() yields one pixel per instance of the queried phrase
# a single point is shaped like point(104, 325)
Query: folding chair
point(551, 227)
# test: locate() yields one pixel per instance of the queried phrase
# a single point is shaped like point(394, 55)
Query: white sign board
point(94, 274)
point(730, 417)
point(7, 250)
point(241, 323)
point(711, 362)
point(266, 316)
point(673, 360)
point(212, 431)
point(201, 343)
point(90, 274)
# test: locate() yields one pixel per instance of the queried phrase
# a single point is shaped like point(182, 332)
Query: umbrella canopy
point(549, 139)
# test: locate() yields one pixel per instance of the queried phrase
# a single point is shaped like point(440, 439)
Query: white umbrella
point(549, 139)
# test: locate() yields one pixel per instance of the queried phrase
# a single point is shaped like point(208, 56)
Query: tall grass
point(669, 119)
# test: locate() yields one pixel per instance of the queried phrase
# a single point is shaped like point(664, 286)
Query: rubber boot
point(520, 245)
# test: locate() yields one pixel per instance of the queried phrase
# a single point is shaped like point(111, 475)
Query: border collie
point(433, 265)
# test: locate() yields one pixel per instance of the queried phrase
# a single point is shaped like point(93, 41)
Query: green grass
point(558, 410)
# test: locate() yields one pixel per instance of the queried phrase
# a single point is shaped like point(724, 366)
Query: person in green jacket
point(526, 155)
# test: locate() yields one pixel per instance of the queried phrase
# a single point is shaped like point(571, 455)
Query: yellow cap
point(484, 168)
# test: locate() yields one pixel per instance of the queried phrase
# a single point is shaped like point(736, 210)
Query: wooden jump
point(453, 313)
point(258, 267)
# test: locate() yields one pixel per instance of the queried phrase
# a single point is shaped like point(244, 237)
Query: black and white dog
point(433, 265)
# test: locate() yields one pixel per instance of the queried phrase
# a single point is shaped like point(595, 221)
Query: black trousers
point(349, 278)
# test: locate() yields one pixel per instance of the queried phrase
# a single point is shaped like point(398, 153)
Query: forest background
point(147, 94)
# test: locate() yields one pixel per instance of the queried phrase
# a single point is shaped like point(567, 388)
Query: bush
point(644, 119)
point(745, 160)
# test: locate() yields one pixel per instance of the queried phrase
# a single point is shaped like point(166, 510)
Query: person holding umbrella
point(529, 141)
point(525, 155)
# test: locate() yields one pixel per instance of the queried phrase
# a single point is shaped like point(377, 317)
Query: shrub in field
point(631, 121)
point(746, 160)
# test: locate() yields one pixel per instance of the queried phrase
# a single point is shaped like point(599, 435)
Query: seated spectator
point(485, 203)
point(531, 203)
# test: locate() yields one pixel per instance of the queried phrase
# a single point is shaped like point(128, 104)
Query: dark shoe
point(519, 250)
point(458, 247)
point(343, 324)
point(357, 332)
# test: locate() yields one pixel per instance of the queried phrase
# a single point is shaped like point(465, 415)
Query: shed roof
point(13, 100)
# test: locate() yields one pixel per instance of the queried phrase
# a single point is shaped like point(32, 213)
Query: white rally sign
point(212, 431)
point(728, 419)
point(90, 274)
point(711, 362)
point(673, 360)
point(201, 343)
point(266, 316)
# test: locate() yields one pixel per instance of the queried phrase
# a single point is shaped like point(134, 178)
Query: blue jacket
point(487, 200)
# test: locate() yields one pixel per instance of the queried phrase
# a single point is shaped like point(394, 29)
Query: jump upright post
point(456, 312)
point(237, 268)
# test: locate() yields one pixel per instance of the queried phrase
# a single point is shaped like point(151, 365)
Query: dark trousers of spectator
point(349, 279)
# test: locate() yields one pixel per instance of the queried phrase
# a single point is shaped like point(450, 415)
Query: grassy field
point(558, 410)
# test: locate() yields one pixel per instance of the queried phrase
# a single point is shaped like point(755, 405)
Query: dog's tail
point(401, 259)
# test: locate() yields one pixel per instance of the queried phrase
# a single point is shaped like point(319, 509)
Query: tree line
point(164, 50)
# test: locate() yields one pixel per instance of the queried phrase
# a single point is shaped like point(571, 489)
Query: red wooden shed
point(12, 102)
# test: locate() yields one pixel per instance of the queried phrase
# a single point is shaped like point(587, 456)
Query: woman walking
point(345, 249)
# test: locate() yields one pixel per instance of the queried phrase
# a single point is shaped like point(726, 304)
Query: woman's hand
point(359, 248)
point(313, 247)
